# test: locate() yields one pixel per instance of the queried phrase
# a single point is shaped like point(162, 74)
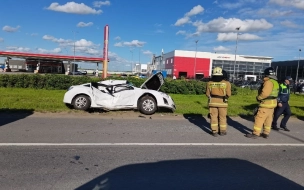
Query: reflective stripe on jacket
point(216, 92)
point(284, 93)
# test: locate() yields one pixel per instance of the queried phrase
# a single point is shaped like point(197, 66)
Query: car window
point(122, 88)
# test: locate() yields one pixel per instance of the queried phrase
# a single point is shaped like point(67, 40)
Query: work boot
point(285, 129)
point(264, 136)
point(275, 128)
point(223, 133)
point(253, 136)
point(214, 134)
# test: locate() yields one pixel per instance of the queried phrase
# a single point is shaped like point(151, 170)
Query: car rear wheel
point(147, 105)
point(81, 102)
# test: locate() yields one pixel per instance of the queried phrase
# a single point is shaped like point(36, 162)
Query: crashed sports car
point(120, 94)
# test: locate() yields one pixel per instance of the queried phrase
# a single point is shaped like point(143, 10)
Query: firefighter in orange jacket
point(218, 91)
point(267, 98)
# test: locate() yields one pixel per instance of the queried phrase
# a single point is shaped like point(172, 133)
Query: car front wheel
point(81, 102)
point(147, 105)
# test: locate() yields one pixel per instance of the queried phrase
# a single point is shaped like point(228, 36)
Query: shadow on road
point(12, 115)
point(191, 174)
point(200, 121)
point(238, 126)
point(298, 116)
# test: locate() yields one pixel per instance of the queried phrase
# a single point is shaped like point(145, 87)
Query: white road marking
point(147, 144)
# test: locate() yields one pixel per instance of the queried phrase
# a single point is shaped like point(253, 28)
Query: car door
point(124, 96)
point(102, 98)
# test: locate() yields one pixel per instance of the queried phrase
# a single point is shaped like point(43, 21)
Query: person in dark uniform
point(283, 105)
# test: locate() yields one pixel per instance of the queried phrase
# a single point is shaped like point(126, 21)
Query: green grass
point(20, 99)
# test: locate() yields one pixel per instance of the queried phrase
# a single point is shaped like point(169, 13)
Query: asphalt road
point(126, 150)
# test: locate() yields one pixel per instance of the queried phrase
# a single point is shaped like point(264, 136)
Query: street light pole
point(237, 35)
point(74, 52)
point(194, 75)
point(132, 61)
point(298, 65)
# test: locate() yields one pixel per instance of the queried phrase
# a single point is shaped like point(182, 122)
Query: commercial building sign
point(223, 57)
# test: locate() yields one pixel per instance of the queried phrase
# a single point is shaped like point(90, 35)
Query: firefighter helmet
point(269, 72)
point(217, 71)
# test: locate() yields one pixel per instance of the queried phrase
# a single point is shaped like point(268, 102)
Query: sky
point(140, 28)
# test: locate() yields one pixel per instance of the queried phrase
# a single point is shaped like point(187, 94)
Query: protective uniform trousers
point(263, 121)
point(218, 116)
point(285, 109)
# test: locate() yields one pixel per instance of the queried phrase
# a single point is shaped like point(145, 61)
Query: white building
point(192, 64)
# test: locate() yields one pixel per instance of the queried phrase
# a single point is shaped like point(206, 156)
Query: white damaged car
point(120, 94)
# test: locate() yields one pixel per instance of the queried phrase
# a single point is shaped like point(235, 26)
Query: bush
point(62, 82)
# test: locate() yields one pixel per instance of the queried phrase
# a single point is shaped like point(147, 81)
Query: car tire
point(81, 102)
point(147, 105)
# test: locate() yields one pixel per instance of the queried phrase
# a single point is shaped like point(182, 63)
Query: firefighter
point(226, 78)
point(267, 98)
point(218, 91)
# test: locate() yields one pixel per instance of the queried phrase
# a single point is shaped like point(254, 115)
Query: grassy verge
point(20, 99)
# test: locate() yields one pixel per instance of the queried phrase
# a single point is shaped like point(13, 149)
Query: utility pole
point(237, 35)
point(298, 65)
point(194, 75)
point(132, 61)
point(162, 60)
point(73, 70)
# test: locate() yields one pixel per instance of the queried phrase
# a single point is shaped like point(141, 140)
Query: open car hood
point(154, 82)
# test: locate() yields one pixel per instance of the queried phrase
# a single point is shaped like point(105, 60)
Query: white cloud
point(157, 25)
point(41, 50)
point(133, 43)
point(195, 10)
point(182, 32)
point(118, 44)
point(273, 13)
point(182, 21)
point(186, 19)
point(147, 52)
point(83, 24)
point(114, 58)
point(232, 37)
point(238, 4)
point(17, 49)
point(231, 5)
point(117, 38)
point(290, 3)
point(10, 29)
point(289, 24)
point(82, 45)
point(1, 40)
point(61, 41)
point(101, 3)
point(221, 49)
point(72, 7)
point(229, 25)
point(159, 31)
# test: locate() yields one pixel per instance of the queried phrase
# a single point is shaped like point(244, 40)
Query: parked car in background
point(79, 73)
point(300, 88)
point(120, 94)
point(2, 67)
point(255, 85)
point(84, 72)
